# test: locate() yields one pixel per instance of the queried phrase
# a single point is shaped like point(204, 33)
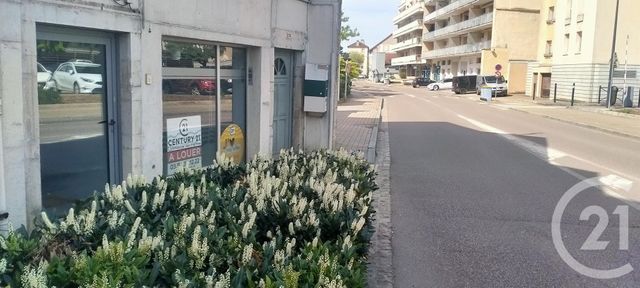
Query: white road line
point(612, 183)
point(411, 95)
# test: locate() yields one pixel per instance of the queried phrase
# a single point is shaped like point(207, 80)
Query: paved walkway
point(591, 116)
point(356, 120)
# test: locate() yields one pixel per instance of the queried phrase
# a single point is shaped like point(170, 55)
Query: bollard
point(555, 92)
point(573, 93)
point(599, 93)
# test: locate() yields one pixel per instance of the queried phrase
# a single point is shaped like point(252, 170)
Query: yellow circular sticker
point(232, 143)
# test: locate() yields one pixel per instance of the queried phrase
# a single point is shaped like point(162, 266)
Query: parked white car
point(445, 84)
point(78, 76)
point(43, 75)
point(498, 85)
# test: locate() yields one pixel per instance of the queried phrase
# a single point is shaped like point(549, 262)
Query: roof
point(379, 43)
point(358, 44)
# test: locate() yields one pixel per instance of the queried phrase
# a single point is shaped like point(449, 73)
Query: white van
point(497, 84)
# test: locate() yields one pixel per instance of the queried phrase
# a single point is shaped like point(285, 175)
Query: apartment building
point(472, 37)
point(408, 35)
point(576, 48)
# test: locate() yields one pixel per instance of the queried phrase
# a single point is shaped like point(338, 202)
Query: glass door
point(76, 101)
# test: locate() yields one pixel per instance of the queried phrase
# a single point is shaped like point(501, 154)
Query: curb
point(380, 255)
point(608, 112)
point(617, 133)
point(371, 148)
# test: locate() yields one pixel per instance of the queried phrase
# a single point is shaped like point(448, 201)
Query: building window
point(465, 16)
point(479, 60)
point(569, 12)
point(548, 52)
point(551, 15)
point(192, 91)
point(579, 42)
point(566, 44)
point(279, 68)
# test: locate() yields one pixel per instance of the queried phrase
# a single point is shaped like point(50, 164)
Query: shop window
point(199, 105)
point(233, 93)
point(190, 137)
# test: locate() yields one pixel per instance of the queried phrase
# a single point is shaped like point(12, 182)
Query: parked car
point(441, 85)
point(189, 86)
point(78, 76)
point(464, 84)
point(497, 84)
point(421, 81)
point(43, 75)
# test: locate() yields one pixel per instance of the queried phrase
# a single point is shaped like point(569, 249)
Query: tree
point(357, 57)
point(346, 32)
point(354, 72)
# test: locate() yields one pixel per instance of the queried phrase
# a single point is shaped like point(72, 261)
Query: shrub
point(48, 96)
point(302, 220)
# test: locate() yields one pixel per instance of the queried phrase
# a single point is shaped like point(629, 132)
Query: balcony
point(406, 60)
point(413, 42)
point(415, 25)
point(480, 22)
point(446, 10)
point(416, 8)
point(457, 50)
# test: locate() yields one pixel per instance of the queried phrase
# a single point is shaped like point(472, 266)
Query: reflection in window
point(188, 55)
point(189, 105)
point(233, 98)
point(74, 154)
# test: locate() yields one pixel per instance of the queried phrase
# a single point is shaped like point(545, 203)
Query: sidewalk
point(592, 116)
point(357, 121)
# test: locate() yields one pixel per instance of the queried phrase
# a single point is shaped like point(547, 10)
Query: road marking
point(612, 183)
point(411, 95)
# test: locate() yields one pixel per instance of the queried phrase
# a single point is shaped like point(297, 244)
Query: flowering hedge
point(300, 221)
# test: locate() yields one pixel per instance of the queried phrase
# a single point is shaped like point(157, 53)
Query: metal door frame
point(111, 109)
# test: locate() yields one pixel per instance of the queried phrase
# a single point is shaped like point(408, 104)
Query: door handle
point(111, 122)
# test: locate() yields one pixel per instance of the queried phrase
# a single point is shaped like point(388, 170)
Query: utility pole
point(613, 52)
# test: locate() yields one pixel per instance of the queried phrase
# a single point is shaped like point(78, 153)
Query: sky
point(372, 18)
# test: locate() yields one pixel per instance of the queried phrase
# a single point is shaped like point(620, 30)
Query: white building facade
point(408, 35)
point(577, 50)
point(91, 91)
point(456, 33)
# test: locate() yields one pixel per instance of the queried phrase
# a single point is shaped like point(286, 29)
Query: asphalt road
point(474, 188)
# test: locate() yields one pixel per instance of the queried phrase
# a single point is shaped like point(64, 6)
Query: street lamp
point(613, 53)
